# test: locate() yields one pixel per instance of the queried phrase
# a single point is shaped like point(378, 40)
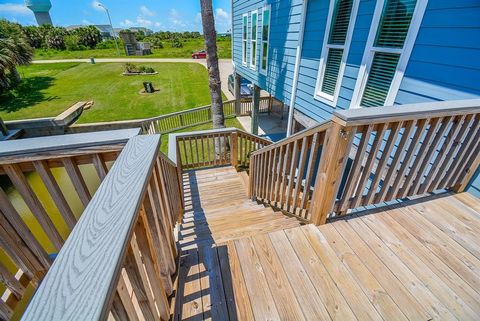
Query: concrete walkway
point(226, 67)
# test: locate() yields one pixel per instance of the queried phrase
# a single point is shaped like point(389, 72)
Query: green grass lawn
point(229, 122)
point(223, 49)
point(49, 89)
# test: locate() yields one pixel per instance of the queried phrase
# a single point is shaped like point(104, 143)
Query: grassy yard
point(230, 122)
point(49, 89)
point(223, 47)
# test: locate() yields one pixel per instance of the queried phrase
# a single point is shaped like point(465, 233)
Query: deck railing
point(32, 167)
point(122, 244)
point(369, 156)
point(217, 147)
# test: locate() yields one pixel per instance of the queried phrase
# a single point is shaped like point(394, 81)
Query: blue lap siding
point(444, 63)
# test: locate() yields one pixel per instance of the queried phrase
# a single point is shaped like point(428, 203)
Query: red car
point(199, 54)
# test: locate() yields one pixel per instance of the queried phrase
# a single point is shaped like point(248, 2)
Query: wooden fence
point(126, 228)
point(369, 156)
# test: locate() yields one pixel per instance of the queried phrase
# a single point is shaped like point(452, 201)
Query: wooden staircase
point(217, 209)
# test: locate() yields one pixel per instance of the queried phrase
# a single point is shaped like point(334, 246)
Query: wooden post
point(238, 95)
point(234, 149)
point(255, 109)
point(270, 103)
point(3, 128)
point(338, 140)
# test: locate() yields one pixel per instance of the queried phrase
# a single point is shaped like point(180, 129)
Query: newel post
point(338, 140)
point(234, 148)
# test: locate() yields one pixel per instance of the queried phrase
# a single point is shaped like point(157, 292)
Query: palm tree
point(209, 33)
point(13, 52)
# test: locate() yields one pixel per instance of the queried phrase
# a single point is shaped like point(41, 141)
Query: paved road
point(226, 67)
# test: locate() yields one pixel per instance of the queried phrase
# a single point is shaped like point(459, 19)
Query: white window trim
point(269, 7)
point(318, 94)
point(253, 62)
point(404, 52)
point(244, 50)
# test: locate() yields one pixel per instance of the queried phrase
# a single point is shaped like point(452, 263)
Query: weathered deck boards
point(416, 261)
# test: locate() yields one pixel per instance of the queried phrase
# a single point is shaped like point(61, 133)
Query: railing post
point(255, 109)
point(338, 140)
point(238, 97)
point(234, 148)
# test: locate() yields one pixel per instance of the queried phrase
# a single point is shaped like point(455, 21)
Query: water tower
point(41, 10)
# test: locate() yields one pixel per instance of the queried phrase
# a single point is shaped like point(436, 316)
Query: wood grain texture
point(87, 269)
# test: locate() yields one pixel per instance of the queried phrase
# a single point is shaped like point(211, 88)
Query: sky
point(158, 15)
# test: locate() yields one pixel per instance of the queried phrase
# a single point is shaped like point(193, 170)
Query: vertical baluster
point(55, 192)
point(445, 150)
point(301, 169)
point(100, 166)
point(144, 238)
point(77, 179)
point(382, 163)
point(413, 173)
point(393, 193)
point(137, 278)
point(371, 158)
point(21, 184)
point(312, 160)
point(292, 172)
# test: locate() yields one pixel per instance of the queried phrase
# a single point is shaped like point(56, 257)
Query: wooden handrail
point(364, 116)
point(126, 225)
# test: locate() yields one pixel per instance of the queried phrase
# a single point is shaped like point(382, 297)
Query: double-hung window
point(338, 33)
point(253, 40)
point(265, 36)
point(244, 38)
point(392, 35)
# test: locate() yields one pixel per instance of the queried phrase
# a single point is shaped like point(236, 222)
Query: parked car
point(201, 54)
point(245, 86)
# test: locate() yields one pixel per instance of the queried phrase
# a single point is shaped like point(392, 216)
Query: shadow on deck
point(418, 260)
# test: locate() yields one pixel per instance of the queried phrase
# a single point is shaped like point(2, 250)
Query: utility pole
point(113, 31)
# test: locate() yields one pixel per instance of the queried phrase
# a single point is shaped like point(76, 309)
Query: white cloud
point(15, 9)
point(146, 12)
point(142, 22)
point(221, 14)
point(222, 20)
point(176, 19)
point(127, 23)
point(86, 22)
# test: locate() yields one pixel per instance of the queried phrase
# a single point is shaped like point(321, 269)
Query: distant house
point(146, 31)
point(318, 56)
point(105, 30)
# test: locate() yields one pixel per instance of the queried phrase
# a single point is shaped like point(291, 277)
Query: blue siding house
point(317, 56)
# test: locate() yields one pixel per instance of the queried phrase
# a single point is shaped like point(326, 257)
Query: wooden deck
point(416, 261)
point(218, 210)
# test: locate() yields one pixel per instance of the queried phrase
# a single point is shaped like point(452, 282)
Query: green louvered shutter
point(380, 78)
point(331, 71)
point(336, 44)
point(340, 21)
point(394, 24)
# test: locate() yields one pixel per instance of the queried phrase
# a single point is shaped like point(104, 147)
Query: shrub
point(176, 43)
point(130, 68)
point(149, 70)
point(142, 69)
point(71, 42)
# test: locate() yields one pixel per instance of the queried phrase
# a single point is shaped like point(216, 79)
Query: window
point(392, 35)
point(338, 33)
point(265, 36)
point(253, 40)
point(244, 38)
